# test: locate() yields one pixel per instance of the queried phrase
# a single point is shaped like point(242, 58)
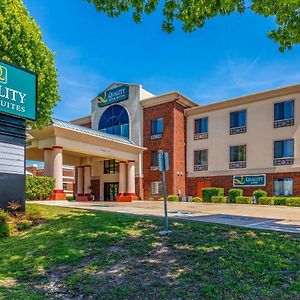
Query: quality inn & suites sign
point(249, 180)
point(117, 94)
point(17, 91)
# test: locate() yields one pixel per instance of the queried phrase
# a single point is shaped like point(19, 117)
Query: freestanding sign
point(18, 94)
point(249, 180)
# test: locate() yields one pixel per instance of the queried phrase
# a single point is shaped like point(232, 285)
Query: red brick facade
point(172, 141)
point(226, 183)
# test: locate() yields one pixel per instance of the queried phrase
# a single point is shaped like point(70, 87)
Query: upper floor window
point(115, 120)
point(238, 157)
point(201, 160)
point(154, 160)
point(201, 129)
point(157, 128)
point(111, 166)
point(284, 114)
point(283, 152)
point(238, 122)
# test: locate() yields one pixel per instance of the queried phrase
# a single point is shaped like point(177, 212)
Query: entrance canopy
point(79, 143)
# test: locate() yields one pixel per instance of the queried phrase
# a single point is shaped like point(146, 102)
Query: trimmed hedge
point(39, 187)
point(208, 193)
point(279, 200)
point(173, 198)
point(266, 201)
point(197, 199)
point(234, 193)
point(293, 201)
point(219, 199)
point(244, 200)
point(259, 193)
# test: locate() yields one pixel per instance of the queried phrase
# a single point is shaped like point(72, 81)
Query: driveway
point(278, 218)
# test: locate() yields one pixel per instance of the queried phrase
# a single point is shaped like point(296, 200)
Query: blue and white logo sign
point(117, 94)
point(249, 180)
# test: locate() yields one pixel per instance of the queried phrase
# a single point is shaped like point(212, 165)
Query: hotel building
point(249, 142)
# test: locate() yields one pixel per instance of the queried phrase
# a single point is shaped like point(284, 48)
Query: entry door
point(201, 185)
point(111, 190)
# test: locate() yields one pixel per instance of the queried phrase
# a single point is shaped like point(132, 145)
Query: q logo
point(239, 181)
point(3, 75)
point(102, 98)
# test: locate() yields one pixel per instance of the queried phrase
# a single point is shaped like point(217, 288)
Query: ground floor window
point(283, 186)
point(156, 188)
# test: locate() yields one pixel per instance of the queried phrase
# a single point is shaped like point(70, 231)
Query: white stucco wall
point(259, 139)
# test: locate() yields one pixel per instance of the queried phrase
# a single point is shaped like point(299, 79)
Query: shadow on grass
point(112, 256)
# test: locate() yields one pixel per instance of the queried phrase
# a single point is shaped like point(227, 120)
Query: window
point(283, 186)
point(157, 128)
point(283, 152)
point(237, 157)
point(156, 188)
point(154, 160)
point(284, 110)
point(201, 160)
point(201, 129)
point(65, 186)
point(115, 120)
point(111, 166)
point(238, 122)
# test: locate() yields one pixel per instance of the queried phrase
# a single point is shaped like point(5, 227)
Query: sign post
point(163, 160)
point(18, 94)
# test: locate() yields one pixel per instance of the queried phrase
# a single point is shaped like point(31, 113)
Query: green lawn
point(76, 254)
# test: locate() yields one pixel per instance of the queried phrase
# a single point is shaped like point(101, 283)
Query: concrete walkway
point(278, 218)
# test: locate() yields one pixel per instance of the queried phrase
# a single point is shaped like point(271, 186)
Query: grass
point(77, 254)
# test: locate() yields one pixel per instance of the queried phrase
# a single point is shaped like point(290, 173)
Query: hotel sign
point(18, 91)
point(249, 180)
point(117, 94)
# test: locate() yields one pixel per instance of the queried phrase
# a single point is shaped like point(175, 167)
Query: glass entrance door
point(111, 190)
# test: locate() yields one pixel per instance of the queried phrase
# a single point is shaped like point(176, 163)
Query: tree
point(21, 43)
point(194, 13)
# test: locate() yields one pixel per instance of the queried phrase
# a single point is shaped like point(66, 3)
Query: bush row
point(288, 201)
point(39, 187)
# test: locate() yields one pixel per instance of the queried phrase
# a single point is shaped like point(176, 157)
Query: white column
point(122, 177)
point(131, 178)
point(80, 170)
point(58, 168)
point(48, 158)
point(87, 180)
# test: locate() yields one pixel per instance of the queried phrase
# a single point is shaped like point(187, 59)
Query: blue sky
point(230, 56)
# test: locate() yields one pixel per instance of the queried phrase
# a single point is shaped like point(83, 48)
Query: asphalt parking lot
point(277, 218)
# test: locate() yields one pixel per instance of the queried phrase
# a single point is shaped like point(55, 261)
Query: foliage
point(244, 200)
point(259, 193)
point(39, 187)
point(293, 201)
point(21, 43)
point(23, 225)
point(234, 193)
point(279, 200)
point(197, 199)
point(173, 198)
point(4, 216)
point(266, 201)
point(219, 199)
point(208, 193)
point(161, 199)
point(4, 228)
point(73, 247)
point(70, 198)
point(194, 14)
point(33, 213)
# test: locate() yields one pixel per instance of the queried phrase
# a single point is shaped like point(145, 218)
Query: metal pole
point(166, 229)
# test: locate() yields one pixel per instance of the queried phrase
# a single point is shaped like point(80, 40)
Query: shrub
point(39, 187)
point(219, 199)
point(23, 225)
point(197, 199)
point(4, 216)
point(4, 228)
point(258, 194)
point(208, 193)
point(293, 201)
point(161, 199)
point(71, 198)
point(173, 198)
point(234, 193)
point(33, 213)
point(244, 200)
point(279, 200)
point(266, 201)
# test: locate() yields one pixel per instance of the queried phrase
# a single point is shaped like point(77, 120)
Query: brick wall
point(173, 142)
point(226, 183)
